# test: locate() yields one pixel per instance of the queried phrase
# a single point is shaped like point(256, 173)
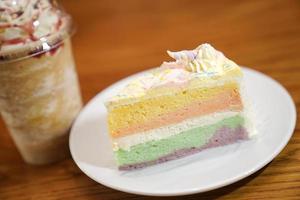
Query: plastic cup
point(40, 95)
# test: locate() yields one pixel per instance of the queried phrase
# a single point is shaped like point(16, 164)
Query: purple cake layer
point(223, 136)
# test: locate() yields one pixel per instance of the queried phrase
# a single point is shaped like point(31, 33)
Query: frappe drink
point(39, 91)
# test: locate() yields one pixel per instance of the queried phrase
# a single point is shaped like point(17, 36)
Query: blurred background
point(117, 38)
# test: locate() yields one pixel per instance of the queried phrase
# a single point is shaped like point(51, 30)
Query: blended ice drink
point(39, 91)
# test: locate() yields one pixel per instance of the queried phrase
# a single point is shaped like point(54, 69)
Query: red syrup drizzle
point(29, 29)
point(15, 41)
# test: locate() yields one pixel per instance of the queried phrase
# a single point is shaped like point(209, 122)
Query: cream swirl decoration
point(204, 60)
point(23, 21)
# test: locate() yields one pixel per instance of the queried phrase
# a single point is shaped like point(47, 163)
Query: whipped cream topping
point(204, 60)
point(27, 21)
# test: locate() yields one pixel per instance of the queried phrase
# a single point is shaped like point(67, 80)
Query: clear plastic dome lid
point(30, 27)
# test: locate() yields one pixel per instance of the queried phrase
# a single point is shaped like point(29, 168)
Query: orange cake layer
point(229, 100)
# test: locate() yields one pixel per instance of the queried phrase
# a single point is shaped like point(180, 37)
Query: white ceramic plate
point(275, 121)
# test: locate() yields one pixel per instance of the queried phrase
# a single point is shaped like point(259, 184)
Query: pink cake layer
point(222, 102)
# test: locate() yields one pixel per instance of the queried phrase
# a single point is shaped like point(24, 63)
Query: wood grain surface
point(117, 38)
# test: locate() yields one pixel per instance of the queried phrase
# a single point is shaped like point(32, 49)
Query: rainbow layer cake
point(177, 109)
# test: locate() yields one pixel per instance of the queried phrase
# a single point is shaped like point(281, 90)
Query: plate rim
point(222, 183)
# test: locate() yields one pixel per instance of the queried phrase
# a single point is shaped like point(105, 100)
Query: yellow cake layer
point(148, 109)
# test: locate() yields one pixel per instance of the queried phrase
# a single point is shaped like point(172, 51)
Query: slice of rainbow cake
point(177, 109)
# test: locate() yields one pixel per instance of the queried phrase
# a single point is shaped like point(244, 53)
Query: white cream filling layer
point(163, 132)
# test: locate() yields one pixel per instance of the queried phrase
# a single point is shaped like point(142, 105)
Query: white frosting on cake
point(201, 67)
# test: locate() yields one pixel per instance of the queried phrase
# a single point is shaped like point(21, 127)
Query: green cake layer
point(195, 137)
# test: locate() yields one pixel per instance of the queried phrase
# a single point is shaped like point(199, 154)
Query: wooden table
point(118, 38)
